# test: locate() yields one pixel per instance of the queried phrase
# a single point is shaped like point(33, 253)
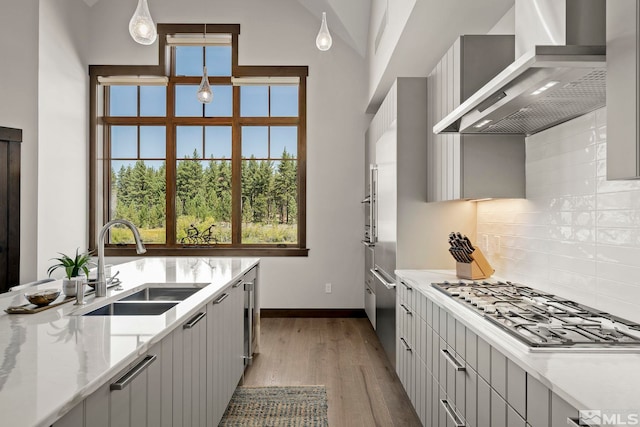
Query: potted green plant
point(72, 267)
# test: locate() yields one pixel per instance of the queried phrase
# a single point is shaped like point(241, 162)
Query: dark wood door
point(10, 140)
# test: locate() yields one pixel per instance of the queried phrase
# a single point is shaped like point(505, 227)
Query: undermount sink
point(161, 294)
point(132, 309)
point(153, 299)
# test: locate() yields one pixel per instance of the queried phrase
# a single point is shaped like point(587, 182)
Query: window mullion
point(236, 173)
point(171, 168)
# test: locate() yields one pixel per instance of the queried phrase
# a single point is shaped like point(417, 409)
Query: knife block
point(479, 268)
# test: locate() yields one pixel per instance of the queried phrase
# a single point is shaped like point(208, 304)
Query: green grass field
point(251, 233)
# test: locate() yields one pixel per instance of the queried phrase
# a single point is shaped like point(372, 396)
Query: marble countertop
point(53, 359)
point(586, 379)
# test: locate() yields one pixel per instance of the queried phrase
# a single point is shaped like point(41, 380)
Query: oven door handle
point(378, 276)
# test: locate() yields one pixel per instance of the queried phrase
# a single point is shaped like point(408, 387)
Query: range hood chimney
point(560, 72)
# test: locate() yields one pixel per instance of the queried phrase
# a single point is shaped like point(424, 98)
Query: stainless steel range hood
point(543, 88)
point(561, 76)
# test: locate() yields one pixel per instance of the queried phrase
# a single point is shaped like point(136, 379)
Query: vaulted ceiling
point(348, 20)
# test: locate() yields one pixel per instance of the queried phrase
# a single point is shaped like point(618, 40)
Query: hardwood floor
point(343, 354)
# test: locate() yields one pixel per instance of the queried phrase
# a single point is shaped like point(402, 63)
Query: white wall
point(506, 24)
point(19, 109)
point(577, 234)
point(63, 130)
point(393, 16)
point(283, 32)
point(418, 34)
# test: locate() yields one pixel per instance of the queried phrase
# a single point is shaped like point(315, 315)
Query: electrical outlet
point(327, 288)
point(498, 245)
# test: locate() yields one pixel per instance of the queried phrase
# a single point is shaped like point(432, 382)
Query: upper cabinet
point(623, 153)
point(471, 166)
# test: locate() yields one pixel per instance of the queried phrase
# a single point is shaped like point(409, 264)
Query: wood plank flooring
point(345, 355)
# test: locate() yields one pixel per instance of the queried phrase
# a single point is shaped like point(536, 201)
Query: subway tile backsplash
point(576, 235)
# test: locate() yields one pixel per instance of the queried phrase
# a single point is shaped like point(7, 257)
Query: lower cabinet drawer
point(537, 403)
point(514, 419)
point(471, 397)
point(484, 403)
point(561, 411)
point(370, 305)
point(498, 410)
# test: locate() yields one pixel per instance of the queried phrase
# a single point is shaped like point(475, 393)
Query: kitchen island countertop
point(53, 359)
point(588, 380)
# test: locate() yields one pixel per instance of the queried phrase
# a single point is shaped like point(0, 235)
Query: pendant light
point(205, 95)
point(141, 26)
point(324, 40)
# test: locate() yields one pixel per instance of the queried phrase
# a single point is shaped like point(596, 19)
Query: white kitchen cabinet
point(471, 166)
point(452, 375)
point(189, 385)
point(561, 411)
point(132, 398)
point(623, 141)
point(187, 379)
point(225, 342)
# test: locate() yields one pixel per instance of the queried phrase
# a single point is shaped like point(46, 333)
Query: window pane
point(153, 141)
point(187, 104)
point(138, 195)
point(123, 101)
point(284, 101)
point(284, 138)
point(124, 142)
point(203, 202)
point(269, 202)
point(189, 142)
point(218, 60)
point(189, 60)
point(153, 101)
point(255, 142)
point(222, 104)
point(218, 142)
point(254, 101)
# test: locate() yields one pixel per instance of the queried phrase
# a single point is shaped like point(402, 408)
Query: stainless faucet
point(101, 283)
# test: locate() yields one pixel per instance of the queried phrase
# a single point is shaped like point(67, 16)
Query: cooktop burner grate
point(543, 320)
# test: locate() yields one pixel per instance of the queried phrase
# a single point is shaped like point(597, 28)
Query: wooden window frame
point(99, 124)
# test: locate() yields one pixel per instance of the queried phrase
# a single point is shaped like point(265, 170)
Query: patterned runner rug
point(277, 406)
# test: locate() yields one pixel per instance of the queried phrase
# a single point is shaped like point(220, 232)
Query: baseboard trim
point(312, 312)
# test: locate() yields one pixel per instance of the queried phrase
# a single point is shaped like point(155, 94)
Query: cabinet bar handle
point(451, 413)
point(573, 422)
point(124, 380)
point(238, 283)
point(406, 310)
point(222, 298)
point(191, 323)
point(406, 345)
point(452, 360)
point(409, 288)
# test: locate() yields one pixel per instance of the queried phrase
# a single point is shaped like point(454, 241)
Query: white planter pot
point(69, 286)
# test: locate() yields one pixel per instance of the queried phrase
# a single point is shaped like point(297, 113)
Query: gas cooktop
point(544, 321)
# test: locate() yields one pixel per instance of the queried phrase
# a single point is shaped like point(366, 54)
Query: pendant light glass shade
point(141, 26)
point(205, 95)
point(324, 40)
